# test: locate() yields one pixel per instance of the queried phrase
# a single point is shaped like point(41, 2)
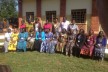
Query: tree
point(8, 8)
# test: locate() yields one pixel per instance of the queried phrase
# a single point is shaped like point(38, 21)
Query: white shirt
point(65, 24)
point(74, 27)
point(8, 36)
point(36, 26)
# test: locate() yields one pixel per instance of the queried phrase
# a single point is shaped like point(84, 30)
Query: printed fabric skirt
point(99, 52)
point(12, 46)
point(87, 51)
point(48, 47)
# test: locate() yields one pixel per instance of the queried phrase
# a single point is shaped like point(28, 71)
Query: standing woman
point(88, 47)
point(70, 42)
point(80, 40)
point(101, 42)
point(29, 26)
point(13, 42)
point(23, 25)
point(37, 25)
point(56, 26)
point(22, 40)
point(7, 40)
point(47, 25)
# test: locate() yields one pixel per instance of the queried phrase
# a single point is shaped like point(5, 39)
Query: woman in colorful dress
point(13, 42)
point(79, 42)
point(39, 38)
point(29, 26)
point(62, 41)
point(22, 45)
point(101, 42)
point(23, 25)
point(70, 43)
point(7, 40)
point(88, 47)
point(45, 46)
point(31, 39)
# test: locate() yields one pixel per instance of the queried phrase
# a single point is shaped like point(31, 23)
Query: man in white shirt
point(64, 24)
point(73, 26)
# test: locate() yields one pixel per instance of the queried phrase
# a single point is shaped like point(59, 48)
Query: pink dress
point(22, 26)
point(85, 50)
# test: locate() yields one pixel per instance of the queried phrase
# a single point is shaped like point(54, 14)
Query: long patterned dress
point(88, 47)
point(13, 42)
point(70, 44)
point(61, 42)
point(100, 47)
point(45, 46)
point(30, 40)
point(22, 41)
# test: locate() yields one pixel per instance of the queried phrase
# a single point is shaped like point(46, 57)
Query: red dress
point(88, 47)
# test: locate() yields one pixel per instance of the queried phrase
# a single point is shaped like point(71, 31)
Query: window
point(50, 15)
point(29, 16)
point(79, 15)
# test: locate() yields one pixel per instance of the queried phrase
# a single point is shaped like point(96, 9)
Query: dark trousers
point(76, 51)
point(37, 45)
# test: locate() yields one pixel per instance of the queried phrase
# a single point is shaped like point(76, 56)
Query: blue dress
point(100, 47)
point(40, 37)
point(22, 41)
point(46, 45)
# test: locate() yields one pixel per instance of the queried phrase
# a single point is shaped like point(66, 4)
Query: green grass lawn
point(41, 62)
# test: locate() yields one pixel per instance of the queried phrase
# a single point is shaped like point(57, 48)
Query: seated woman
point(79, 42)
point(39, 38)
point(13, 42)
point(31, 39)
point(22, 40)
point(88, 47)
point(101, 42)
point(62, 41)
point(45, 46)
point(70, 43)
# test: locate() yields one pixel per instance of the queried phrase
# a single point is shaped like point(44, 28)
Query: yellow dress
point(13, 42)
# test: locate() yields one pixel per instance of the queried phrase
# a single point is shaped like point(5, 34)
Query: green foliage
point(8, 8)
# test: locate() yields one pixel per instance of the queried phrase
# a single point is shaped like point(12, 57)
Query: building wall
point(28, 6)
point(50, 5)
point(80, 4)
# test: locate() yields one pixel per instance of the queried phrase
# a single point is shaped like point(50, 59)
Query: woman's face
point(15, 30)
point(9, 30)
point(91, 32)
point(101, 33)
point(81, 31)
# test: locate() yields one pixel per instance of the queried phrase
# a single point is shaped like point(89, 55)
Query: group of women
point(61, 37)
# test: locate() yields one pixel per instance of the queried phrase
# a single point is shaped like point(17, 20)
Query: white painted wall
point(29, 6)
point(50, 5)
point(78, 4)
